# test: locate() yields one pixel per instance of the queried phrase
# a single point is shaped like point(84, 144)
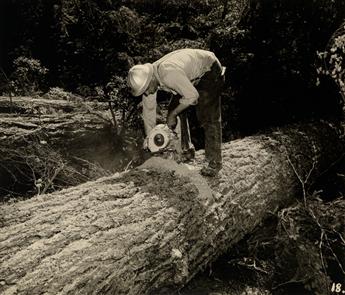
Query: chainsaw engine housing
point(164, 142)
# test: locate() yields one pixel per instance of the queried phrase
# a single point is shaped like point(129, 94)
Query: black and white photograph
point(172, 147)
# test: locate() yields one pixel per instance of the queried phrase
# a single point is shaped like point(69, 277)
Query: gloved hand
point(172, 121)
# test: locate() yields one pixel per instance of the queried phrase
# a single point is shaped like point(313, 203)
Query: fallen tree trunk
point(158, 225)
point(60, 149)
point(44, 106)
point(60, 129)
point(61, 144)
point(64, 125)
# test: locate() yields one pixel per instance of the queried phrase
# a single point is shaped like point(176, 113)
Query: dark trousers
point(208, 112)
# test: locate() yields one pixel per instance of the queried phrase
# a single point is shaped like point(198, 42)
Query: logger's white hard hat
point(139, 78)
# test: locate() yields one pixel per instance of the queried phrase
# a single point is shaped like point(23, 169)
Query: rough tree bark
point(63, 130)
point(158, 225)
point(62, 124)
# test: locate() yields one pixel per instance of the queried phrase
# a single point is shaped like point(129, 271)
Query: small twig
point(303, 182)
point(320, 247)
point(130, 114)
point(50, 181)
point(2, 70)
point(253, 265)
point(9, 172)
point(10, 88)
point(33, 176)
point(341, 237)
point(285, 283)
point(310, 171)
point(336, 258)
point(114, 118)
point(98, 168)
point(299, 178)
point(332, 165)
point(127, 167)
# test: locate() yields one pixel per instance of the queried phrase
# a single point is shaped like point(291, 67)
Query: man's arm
point(149, 111)
point(172, 120)
point(179, 82)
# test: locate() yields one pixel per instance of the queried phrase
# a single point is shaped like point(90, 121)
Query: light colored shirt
point(177, 72)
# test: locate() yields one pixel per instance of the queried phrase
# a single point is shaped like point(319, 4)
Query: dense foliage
point(272, 59)
point(270, 49)
point(333, 62)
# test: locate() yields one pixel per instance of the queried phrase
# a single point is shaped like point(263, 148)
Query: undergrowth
point(35, 169)
point(300, 250)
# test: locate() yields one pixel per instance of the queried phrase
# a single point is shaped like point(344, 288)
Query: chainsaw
point(164, 142)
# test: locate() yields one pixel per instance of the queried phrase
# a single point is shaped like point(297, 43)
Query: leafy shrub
point(28, 75)
point(59, 93)
point(333, 59)
point(124, 106)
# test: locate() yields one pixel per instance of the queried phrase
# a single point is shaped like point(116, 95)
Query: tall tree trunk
point(225, 8)
point(160, 224)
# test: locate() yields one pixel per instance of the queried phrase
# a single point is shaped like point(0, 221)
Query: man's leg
point(185, 138)
point(213, 142)
point(209, 116)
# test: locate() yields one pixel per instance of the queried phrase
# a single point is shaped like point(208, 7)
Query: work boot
point(188, 155)
point(210, 170)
